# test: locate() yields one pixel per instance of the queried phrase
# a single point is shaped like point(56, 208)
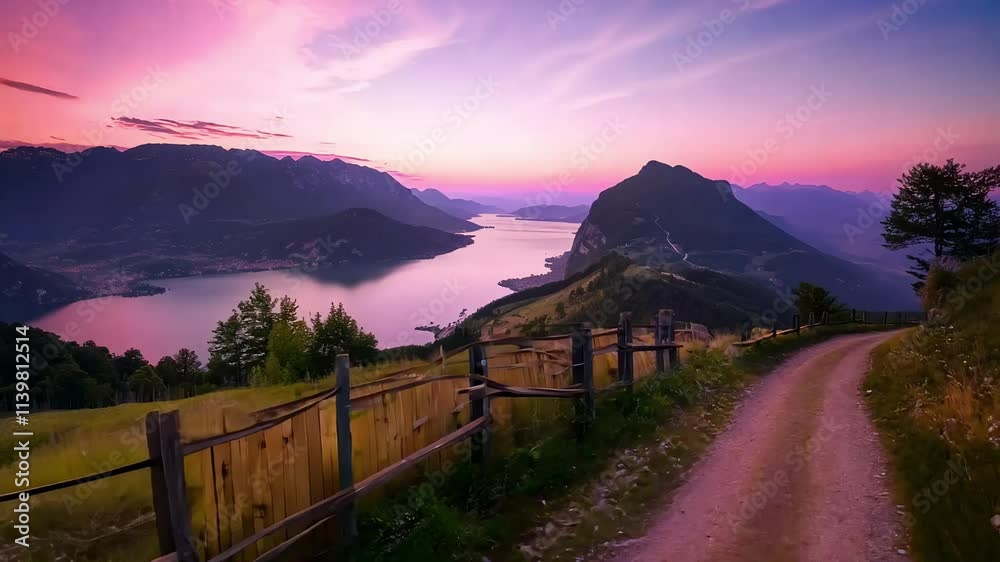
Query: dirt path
point(798, 476)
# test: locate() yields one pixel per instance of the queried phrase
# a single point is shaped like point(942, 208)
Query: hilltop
point(672, 214)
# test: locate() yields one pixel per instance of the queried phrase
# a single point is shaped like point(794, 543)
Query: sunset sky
point(492, 96)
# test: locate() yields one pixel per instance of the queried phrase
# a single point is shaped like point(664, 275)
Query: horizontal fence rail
point(255, 491)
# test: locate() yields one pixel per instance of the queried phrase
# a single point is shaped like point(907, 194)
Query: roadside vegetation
point(556, 496)
point(935, 394)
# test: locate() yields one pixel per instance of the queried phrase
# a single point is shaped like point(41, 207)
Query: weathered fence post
point(158, 485)
point(774, 329)
point(854, 315)
point(673, 354)
point(583, 375)
point(797, 324)
point(345, 448)
point(885, 318)
point(812, 317)
point(172, 460)
point(626, 373)
point(479, 407)
point(665, 359)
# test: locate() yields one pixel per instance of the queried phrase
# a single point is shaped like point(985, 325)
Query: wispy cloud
point(570, 65)
point(349, 68)
point(24, 86)
point(597, 99)
point(700, 71)
point(193, 130)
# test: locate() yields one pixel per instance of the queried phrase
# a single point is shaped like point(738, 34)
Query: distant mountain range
point(25, 290)
point(672, 214)
point(110, 219)
point(461, 208)
point(48, 194)
point(555, 213)
point(846, 224)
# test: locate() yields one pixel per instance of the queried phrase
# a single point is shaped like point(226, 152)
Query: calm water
point(388, 300)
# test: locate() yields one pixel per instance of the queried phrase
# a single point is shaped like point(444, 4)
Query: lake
point(389, 300)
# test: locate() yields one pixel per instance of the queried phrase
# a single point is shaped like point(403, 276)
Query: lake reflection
point(390, 300)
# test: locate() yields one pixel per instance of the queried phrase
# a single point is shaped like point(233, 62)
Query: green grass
point(478, 513)
point(935, 395)
point(70, 444)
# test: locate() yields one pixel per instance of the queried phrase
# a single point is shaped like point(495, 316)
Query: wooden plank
point(173, 472)
point(315, 454)
point(380, 428)
point(158, 485)
point(260, 491)
point(328, 434)
point(480, 407)
point(243, 495)
point(210, 534)
point(406, 419)
point(345, 453)
point(392, 438)
point(222, 464)
point(275, 460)
point(297, 463)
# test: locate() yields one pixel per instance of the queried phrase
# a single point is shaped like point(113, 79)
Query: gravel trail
point(799, 475)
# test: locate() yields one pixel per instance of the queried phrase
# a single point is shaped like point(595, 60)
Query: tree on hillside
point(338, 333)
point(189, 368)
point(815, 300)
point(129, 362)
point(256, 320)
point(228, 348)
point(145, 383)
point(946, 207)
point(166, 369)
point(287, 350)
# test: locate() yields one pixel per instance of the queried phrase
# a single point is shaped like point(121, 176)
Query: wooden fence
point(294, 472)
point(855, 316)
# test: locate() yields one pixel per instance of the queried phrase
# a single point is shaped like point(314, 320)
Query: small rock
point(995, 520)
point(901, 552)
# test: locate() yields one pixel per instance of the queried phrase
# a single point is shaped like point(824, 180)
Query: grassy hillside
point(618, 285)
point(935, 393)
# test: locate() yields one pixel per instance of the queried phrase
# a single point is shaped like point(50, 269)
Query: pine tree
point(814, 300)
point(947, 208)
point(228, 349)
point(256, 320)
